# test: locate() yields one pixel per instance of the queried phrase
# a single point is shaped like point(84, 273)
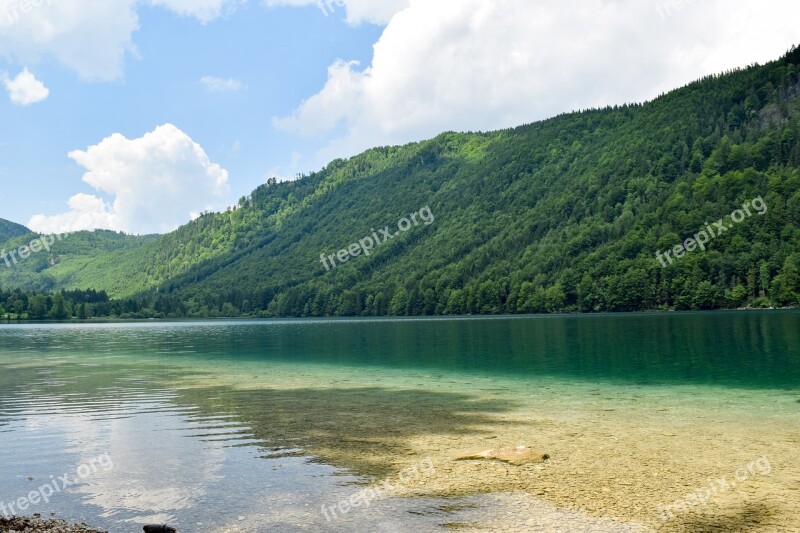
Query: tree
point(58, 310)
point(787, 283)
point(705, 296)
point(752, 283)
point(555, 298)
point(764, 278)
point(399, 303)
point(736, 297)
point(37, 307)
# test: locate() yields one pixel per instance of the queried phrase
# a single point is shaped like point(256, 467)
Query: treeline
point(88, 304)
point(19, 305)
point(756, 290)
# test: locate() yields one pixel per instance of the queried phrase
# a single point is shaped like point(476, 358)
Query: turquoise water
point(221, 425)
point(748, 349)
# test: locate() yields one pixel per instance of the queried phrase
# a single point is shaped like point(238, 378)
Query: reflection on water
point(191, 451)
point(171, 462)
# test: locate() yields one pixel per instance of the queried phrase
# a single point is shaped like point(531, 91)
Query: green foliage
point(61, 305)
point(558, 216)
point(86, 259)
point(9, 230)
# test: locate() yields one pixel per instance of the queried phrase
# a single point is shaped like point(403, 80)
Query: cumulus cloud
point(220, 85)
point(91, 38)
point(203, 10)
point(357, 11)
point(157, 182)
point(325, 110)
point(25, 89)
point(477, 65)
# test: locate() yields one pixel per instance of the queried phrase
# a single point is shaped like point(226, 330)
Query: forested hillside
point(78, 260)
point(10, 230)
point(567, 214)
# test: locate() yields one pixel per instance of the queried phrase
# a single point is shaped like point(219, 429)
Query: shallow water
point(258, 426)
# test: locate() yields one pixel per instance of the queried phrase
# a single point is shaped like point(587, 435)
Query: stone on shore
point(35, 524)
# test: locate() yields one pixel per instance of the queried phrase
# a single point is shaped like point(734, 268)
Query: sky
point(137, 115)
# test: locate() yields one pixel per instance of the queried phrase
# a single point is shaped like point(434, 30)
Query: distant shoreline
point(112, 320)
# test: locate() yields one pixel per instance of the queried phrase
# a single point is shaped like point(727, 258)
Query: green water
point(214, 423)
point(758, 350)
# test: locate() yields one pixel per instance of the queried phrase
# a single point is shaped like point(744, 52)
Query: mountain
point(77, 260)
point(9, 230)
point(567, 214)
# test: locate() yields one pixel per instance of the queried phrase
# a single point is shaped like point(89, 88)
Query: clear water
point(246, 426)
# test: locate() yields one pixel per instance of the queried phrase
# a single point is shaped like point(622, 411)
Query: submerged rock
point(159, 529)
point(515, 456)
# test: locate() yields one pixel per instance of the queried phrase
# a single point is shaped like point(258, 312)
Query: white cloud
point(325, 110)
point(25, 89)
point(357, 11)
point(90, 38)
point(203, 10)
point(477, 64)
point(219, 85)
point(375, 11)
point(87, 212)
point(156, 181)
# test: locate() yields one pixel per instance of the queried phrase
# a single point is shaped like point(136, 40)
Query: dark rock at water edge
point(36, 524)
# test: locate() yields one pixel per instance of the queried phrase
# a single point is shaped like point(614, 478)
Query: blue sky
point(136, 115)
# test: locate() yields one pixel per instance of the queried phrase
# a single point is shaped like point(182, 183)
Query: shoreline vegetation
point(67, 307)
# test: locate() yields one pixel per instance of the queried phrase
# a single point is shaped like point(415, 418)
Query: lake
point(291, 425)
